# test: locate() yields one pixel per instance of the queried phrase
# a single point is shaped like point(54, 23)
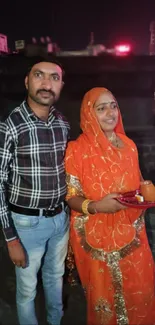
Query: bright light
point(122, 49)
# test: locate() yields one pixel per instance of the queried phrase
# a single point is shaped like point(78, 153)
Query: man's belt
point(37, 212)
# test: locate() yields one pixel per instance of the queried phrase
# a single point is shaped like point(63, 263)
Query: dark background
point(69, 22)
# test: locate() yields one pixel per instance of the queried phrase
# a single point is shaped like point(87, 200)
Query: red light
point(122, 49)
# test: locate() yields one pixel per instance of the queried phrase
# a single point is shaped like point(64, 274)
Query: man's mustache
point(47, 91)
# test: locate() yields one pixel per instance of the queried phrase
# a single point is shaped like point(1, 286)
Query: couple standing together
point(108, 240)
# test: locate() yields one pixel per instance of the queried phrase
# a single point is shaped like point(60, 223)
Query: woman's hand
point(108, 204)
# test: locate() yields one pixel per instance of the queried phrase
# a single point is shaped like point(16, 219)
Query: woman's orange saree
point(111, 251)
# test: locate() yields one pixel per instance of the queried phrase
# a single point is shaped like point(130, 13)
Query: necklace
point(114, 140)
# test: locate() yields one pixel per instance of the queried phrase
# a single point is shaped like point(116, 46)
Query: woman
point(108, 240)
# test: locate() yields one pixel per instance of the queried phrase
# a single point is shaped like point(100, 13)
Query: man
point(32, 191)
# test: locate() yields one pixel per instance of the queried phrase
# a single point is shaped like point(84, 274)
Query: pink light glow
point(122, 49)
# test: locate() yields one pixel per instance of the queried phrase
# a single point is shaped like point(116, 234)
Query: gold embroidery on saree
point(103, 311)
point(112, 259)
point(73, 186)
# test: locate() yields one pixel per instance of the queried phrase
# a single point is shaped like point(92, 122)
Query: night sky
point(69, 23)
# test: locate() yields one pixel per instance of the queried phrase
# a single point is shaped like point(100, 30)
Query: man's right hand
point(109, 204)
point(17, 253)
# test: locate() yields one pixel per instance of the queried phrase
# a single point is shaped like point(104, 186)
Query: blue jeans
point(45, 238)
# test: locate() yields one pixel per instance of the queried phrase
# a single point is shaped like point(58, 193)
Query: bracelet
point(13, 242)
point(84, 206)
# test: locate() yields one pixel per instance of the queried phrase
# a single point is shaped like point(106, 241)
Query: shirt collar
point(29, 112)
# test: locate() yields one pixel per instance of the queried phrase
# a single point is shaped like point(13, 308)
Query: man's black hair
point(37, 59)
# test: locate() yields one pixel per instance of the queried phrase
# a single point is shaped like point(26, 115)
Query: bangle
point(84, 206)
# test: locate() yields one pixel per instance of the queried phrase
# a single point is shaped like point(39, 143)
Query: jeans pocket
point(64, 219)
point(61, 222)
point(24, 222)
